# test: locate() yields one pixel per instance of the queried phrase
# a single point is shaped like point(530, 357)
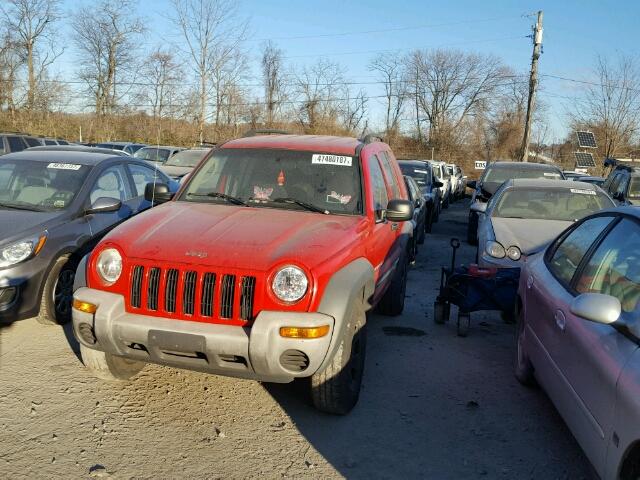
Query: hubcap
point(63, 293)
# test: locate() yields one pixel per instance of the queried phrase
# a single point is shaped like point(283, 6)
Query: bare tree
point(32, 23)
point(107, 38)
point(390, 70)
point(272, 78)
point(212, 32)
point(450, 84)
point(10, 62)
point(611, 106)
point(162, 75)
point(319, 87)
point(353, 110)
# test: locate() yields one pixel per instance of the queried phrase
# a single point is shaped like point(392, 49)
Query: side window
point(111, 183)
point(613, 186)
point(614, 268)
point(380, 198)
point(568, 254)
point(390, 175)
point(16, 144)
point(622, 185)
point(143, 175)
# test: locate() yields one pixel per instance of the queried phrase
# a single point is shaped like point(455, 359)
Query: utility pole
point(533, 85)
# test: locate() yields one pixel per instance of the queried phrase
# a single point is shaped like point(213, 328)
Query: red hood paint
point(238, 237)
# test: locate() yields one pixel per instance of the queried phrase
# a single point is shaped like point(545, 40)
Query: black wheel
point(57, 295)
point(438, 209)
point(464, 320)
point(441, 312)
point(422, 233)
point(392, 303)
point(109, 367)
point(522, 367)
point(472, 229)
point(428, 224)
point(336, 389)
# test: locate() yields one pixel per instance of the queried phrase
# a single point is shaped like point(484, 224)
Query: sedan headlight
point(109, 266)
point(514, 253)
point(495, 249)
point(290, 284)
point(20, 251)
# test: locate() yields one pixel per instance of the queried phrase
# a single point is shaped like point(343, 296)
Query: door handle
point(394, 226)
point(530, 280)
point(560, 319)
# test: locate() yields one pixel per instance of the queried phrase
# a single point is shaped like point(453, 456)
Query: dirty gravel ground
point(432, 406)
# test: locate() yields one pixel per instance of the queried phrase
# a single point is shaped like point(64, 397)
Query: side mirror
point(618, 196)
point(479, 207)
point(596, 307)
point(399, 210)
point(104, 205)
point(417, 203)
point(438, 184)
point(157, 193)
point(472, 184)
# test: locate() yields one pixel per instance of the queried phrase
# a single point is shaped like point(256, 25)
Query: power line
point(596, 84)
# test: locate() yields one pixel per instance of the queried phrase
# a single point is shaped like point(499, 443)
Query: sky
point(575, 32)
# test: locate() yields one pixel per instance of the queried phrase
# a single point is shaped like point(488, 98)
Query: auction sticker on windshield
point(583, 192)
point(322, 159)
point(64, 166)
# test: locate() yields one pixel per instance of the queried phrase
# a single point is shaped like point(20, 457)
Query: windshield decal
point(59, 203)
point(322, 159)
point(64, 166)
point(335, 197)
point(420, 171)
point(263, 194)
point(583, 192)
point(547, 174)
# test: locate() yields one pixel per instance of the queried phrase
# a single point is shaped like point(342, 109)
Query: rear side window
point(380, 198)
point(569, 253)
point(32, 142)
point(16, 144)
point(143, 175)
point(614, 268)
point(390, 175)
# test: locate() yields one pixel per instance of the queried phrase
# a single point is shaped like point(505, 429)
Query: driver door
point(112, 182)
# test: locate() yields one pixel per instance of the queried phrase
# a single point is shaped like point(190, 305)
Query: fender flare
point(352, 283)
point(80, 279)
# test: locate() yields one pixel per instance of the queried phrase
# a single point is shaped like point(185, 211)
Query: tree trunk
point(32, 78)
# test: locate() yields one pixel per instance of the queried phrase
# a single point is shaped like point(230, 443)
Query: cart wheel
point(464, 319)
point(441, 312)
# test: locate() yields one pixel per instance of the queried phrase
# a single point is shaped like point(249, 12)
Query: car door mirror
point(157, 193)
point(417, 203)
point(438, 184)
point(479, 207)
point(104, 205)
point(618, 196)
point(472, 184)
point(399, 211)
point(596, 307)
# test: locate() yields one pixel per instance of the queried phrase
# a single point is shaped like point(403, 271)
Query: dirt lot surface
point(433, 405)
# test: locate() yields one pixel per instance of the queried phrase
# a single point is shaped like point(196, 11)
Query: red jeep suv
point(262, 267)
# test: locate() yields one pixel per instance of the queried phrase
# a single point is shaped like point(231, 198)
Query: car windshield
point(279, 179)
point(186, 158)
point(565, 204)
point(502, 174)
point(419, 173)
point(44, 186)
point(634, 187)
point(153, 154)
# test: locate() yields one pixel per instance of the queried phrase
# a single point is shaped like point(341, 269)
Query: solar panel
point(586, 140)
point(584, 159)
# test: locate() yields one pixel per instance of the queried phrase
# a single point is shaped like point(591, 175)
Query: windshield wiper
point(13, 206)
point(305, 205)
point(224, 196)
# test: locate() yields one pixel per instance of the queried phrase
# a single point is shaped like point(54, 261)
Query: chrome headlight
point(495, 249)
point(20, 251)
point(514, 253)
point(290, 284)
point(109, 266)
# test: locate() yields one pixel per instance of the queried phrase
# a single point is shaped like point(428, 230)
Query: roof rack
point(265, 131)
point(372, 137)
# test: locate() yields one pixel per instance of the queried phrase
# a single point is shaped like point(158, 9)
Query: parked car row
point(578, 300)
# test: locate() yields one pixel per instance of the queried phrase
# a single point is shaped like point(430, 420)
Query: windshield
point(153, 154)
point(264, 178)
point(420, 174)
point(186, 158)
point(634, 187)
point(40, 186)
point(502, 174)
point(566, 204)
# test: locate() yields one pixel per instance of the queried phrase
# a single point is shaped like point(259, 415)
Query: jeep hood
point(228, 236)
point(526, 234)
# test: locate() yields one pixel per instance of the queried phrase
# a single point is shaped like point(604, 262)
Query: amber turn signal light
point(304, 332)
point(85, 307)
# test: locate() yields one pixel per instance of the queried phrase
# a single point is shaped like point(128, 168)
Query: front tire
point(109, 367)
point(337, 388)
point(57, 294)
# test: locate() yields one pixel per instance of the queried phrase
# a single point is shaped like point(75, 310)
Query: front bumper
point(258, 352)
point(21, 290)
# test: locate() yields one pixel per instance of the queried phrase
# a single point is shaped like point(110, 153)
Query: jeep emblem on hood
point(193, 253)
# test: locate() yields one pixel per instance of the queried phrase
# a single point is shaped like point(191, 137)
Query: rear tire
point(464, 320)
point(109, 367)
point(523, 369)
point(446, 202)
point(57, 294)
point(472, 229)
point(337, 388)
point(422, 233)
point(392, 303)
point(428, 224)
